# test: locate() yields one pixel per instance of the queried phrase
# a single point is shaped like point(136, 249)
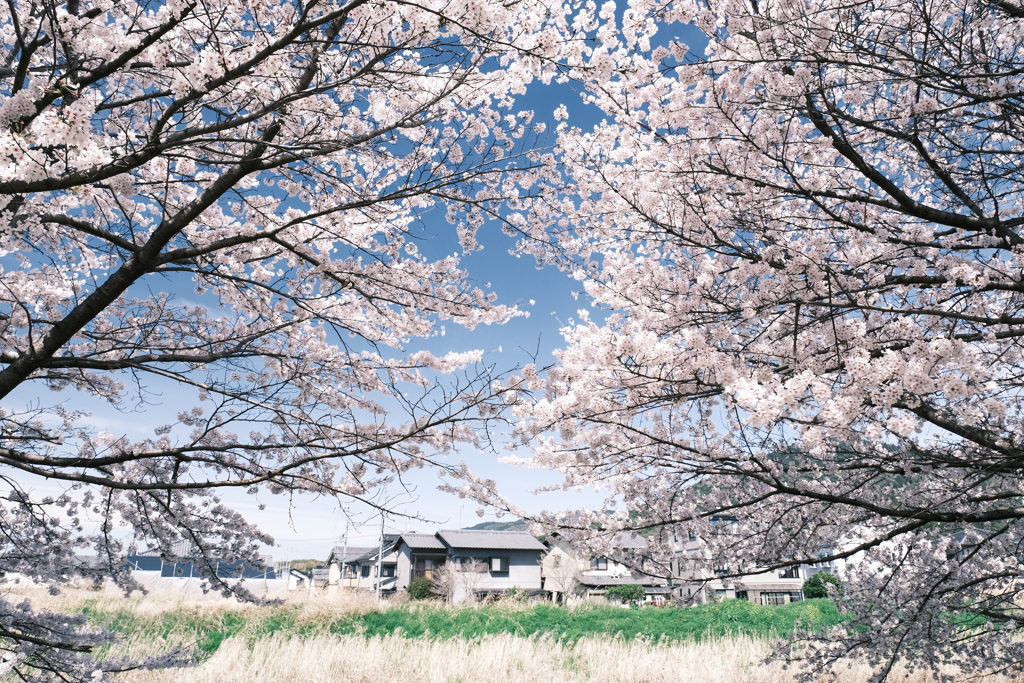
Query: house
point(656, 590)
point(320, 577)
point(339, 569)
point(779, 587)
point(703, 581)
point(689, 575)
point(568, 576)
point(419, 556)
point(363, 568)
point(468, 564)
point(297, 580)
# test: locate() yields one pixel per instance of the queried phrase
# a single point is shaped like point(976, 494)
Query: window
point(388, 571)
point(790, 573)
point(471, 564)
point(774, 598)
point(499, 565)
point(599, 563)
point(425, 566)
point(556, 561)
point(742, 595)
point(365, 571)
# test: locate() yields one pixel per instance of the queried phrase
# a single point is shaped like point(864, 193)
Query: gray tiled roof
point(364, 556)
point(389, 545)
point(495, 540)
point(422, 542)
point(342, 554)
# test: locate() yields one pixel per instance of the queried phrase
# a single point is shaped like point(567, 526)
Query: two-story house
point(341, 571)
point(705, 578)
point(468, 564)
point(382, 560)
point(569, 575)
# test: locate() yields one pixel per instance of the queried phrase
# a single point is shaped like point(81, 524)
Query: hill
point(514, 525)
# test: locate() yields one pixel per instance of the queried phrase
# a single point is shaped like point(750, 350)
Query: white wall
point(404, 571)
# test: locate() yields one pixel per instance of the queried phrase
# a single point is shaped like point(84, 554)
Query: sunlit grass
point(351, 637)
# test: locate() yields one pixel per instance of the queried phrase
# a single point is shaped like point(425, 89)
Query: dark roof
point(342, 554)
point(422, 542)
point(364, 556)
point(371, 553)
point(225, 570)
point(493, 540)
point(186, 568)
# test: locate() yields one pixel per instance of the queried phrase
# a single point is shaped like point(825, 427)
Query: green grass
point(207, 630)
point(706, 621)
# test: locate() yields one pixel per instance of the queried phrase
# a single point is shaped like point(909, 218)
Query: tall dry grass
point(320, 656)
point(160, 599)
point(496, 659)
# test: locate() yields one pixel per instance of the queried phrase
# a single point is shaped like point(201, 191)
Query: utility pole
point(380, 557)
point(344, 553)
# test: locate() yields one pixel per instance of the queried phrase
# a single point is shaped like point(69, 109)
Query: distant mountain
point(515, 525)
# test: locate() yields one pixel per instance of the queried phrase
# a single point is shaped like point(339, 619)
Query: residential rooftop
point(496, 540)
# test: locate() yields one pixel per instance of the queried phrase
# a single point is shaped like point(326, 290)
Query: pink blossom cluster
point(801, 252)
point(225, 198)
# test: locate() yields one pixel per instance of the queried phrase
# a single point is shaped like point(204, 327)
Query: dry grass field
point(307, 651)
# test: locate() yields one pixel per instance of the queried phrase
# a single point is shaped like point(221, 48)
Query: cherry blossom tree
point(802, 256)
point(220, 200)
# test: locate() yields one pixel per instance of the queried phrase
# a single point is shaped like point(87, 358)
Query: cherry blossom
point(224, 196)
point(801, 253)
